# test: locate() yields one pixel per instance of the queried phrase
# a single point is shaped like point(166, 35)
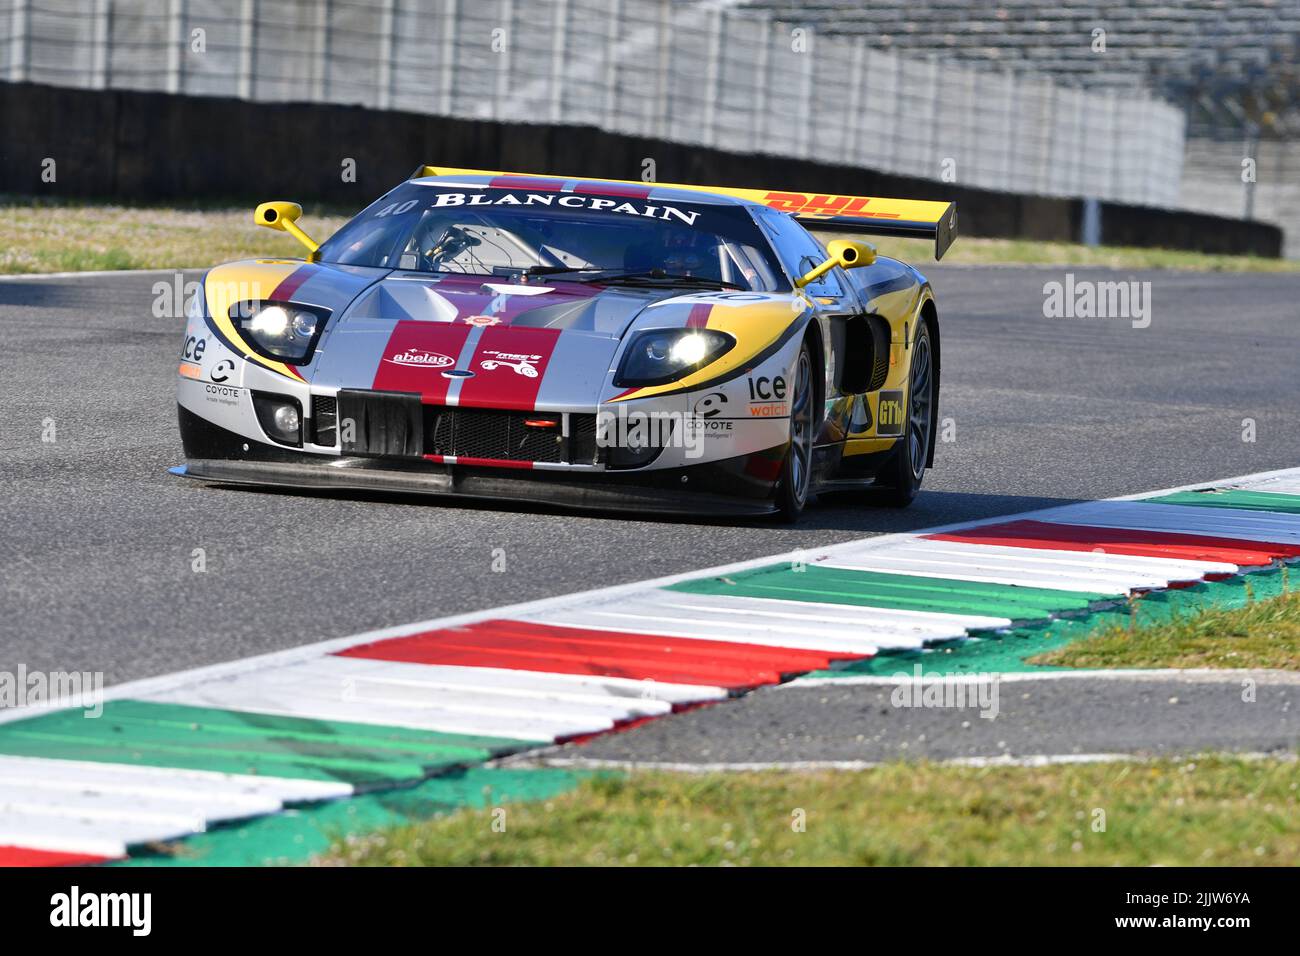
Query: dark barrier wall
point(136, 146)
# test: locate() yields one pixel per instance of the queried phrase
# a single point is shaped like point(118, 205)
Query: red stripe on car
point(485, 462)
point(699, 316)
point(525, 182)
point(417, 354)
point(613, 189)
point(291, 283)
point(509, 364)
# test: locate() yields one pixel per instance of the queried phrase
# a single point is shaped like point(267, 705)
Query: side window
point(799, 252)
point(747, 266)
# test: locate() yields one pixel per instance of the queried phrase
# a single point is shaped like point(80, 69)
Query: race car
point(587, 342)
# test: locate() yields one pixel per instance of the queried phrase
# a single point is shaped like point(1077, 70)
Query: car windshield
point(510, 232)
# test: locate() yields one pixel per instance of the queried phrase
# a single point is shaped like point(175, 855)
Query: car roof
point(593, 187)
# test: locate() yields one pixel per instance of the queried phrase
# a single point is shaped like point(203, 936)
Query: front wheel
point(796, 470)
point(902, 476)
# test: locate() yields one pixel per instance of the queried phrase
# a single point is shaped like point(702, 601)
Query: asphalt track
point(97, 538)
point(1148, 715)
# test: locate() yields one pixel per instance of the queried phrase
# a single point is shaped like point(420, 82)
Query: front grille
point(324, 420)
point(495, 434)
point(582, 439)
point(381, 424)
point(398, 425)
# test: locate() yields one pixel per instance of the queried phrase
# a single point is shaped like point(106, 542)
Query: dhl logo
point(820, 204)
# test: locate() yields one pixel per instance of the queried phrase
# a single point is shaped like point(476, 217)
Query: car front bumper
point(732, 487)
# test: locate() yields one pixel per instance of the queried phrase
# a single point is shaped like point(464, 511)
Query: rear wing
point(907, 218)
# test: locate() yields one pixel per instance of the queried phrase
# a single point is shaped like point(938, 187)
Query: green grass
point(1207, 811)
point(973, 251)
point(48, 235)
point(1263, 634)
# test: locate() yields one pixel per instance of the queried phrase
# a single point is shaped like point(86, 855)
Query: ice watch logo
point(889, 413)
point(764, 389)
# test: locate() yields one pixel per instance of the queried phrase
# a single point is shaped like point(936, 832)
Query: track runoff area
point(335, 723)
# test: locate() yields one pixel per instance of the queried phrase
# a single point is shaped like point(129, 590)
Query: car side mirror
point(844, 253)
point(283, 217)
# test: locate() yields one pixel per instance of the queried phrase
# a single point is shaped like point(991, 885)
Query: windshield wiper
point(660, 277)
point(654, 276)
point(557, 270)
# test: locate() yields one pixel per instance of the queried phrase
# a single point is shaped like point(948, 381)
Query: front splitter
point(618, 495)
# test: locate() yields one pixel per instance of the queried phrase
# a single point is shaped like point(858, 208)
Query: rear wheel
point(902, 476)
point(796, 471)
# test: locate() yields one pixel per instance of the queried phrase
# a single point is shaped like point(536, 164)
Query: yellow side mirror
point(844, 253)
point(283, 216)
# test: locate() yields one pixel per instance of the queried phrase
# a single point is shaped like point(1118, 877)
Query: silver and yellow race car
point(587, 342)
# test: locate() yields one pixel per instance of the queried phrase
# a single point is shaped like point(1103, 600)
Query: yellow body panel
point(902, 309)
point(240, 282)
point(754, 327)
point(868, 446)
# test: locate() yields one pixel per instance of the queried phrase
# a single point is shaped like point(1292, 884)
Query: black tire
point(795, 485)
point(901, 478)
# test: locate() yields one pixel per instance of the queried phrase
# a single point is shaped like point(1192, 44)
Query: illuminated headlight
point(658, 356)
point(280, 330)
point(280, 417)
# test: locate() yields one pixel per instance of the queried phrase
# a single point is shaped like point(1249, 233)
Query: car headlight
point(280, 330)
point(280, 417)
point(658, 356)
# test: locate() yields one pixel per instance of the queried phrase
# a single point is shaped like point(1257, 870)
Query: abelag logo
point(421, 359)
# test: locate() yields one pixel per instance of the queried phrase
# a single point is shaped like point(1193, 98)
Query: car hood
point(474, 342)
point(464, 340)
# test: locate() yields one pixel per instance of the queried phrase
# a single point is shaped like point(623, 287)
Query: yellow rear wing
point(907, 218)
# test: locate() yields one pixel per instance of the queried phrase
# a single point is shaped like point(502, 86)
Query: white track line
point(99, 274)
point(533, 760)
point(1192, 675)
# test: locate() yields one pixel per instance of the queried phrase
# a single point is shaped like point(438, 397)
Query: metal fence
point(693, 73)
point(1245, 178)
